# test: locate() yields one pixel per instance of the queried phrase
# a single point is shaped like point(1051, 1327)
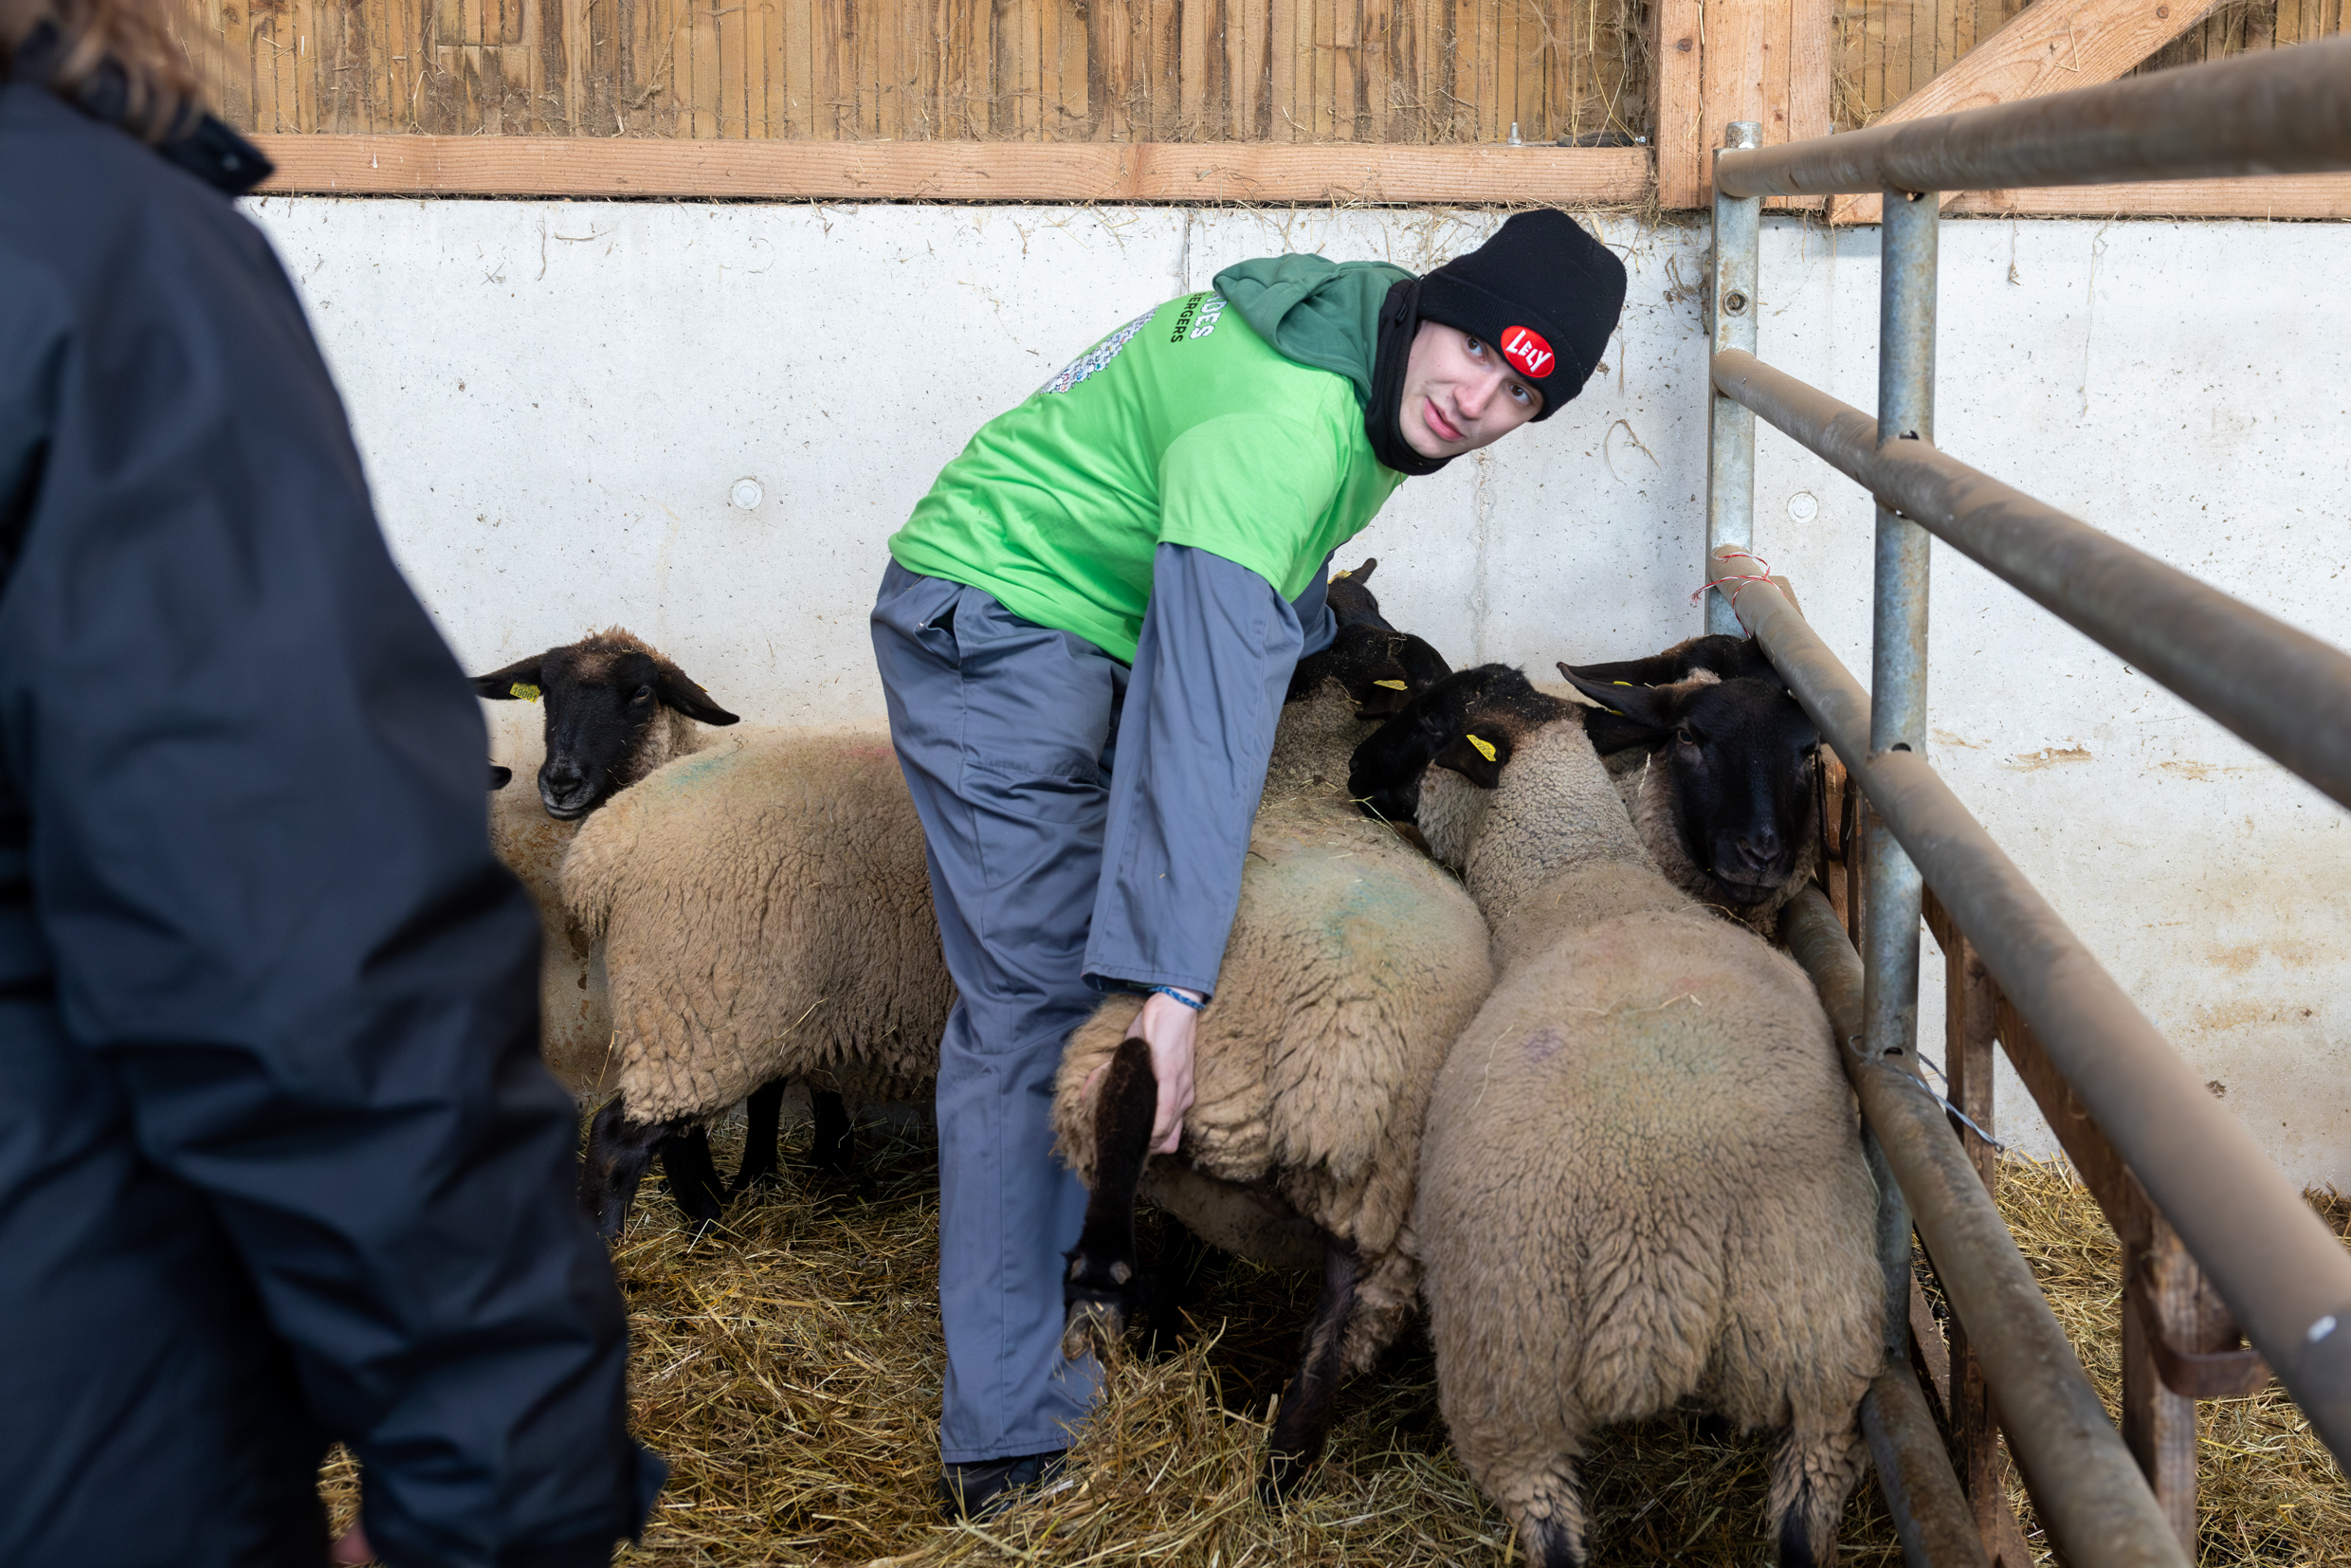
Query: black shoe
point(983, 1489)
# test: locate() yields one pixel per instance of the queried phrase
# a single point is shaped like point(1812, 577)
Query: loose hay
point(789, 1367)
point(2266, 1489)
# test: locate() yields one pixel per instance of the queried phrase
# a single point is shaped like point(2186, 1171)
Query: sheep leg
point(834, 1155)
point(1813, 1469)
point(1182, 1255)
point(618, 1151)
point(1310, 1401)
point(693, 1174)
point(763, 1115)
point(1103, 1286)
point(1551, 1524)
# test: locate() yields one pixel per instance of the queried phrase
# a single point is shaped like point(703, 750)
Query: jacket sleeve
point(261, 867)
point(1313, 609)
point(1217, 649)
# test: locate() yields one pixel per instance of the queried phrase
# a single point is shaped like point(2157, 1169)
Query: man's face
point(1460, 394)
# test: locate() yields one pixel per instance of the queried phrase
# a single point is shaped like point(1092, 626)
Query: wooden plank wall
point(1885, 49)
point(1410, 71)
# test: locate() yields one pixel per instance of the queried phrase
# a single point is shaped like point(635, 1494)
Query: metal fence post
point(1898, 672)
point(1730, 428)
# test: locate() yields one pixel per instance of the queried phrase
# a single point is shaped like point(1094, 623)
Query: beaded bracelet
point(1171, 990)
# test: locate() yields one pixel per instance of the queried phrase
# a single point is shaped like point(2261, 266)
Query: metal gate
point(2199, 1209)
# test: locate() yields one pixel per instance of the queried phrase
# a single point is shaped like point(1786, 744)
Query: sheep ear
point(1629, 714)
point(1424, 667)
point(671, 686)
point(519, 681)
point(1351, 602)
point(1479, 755)
point(1718, 653)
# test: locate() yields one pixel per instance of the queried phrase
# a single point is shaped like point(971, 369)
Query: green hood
point(1316, 312)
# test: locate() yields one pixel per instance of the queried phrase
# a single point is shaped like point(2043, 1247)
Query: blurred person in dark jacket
point(278, 1163)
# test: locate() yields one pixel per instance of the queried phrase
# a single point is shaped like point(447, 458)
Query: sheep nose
point(1759, 850)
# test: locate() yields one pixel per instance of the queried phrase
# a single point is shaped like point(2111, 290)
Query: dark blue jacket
point(278, 1163)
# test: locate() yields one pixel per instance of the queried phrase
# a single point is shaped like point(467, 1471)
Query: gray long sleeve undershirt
point(1214, 663)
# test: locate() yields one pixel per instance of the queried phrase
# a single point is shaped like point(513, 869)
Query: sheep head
point(1348, 595)
point(1379, 668)
point(607, 699)
point(1739, 753)
point(1470, 723)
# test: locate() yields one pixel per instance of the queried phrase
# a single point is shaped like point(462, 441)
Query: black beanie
point(1543, 291)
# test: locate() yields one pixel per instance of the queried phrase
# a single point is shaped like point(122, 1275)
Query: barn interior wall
point(556, 402)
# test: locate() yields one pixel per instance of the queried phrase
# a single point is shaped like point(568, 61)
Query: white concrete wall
point(556, 400)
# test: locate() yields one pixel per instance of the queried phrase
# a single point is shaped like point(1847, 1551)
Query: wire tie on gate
point(1937, 1069)
point(1742, 580)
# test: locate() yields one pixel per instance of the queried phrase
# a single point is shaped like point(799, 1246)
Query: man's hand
point(1168, 1028)
point(352, 1547)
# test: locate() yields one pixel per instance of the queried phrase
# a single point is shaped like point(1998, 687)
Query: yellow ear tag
point(1486, 748)
point(528, 694)
point(1338, 577)
point(1620, 683)
point(1392, 686)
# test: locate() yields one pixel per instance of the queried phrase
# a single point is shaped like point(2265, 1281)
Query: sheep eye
point(1687, 736)
point(642, 694)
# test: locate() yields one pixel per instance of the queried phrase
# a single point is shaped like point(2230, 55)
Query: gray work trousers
point(1004, 729)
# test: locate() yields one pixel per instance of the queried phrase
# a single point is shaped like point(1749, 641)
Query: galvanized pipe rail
point(2094, 1503)
point(2277, 1266)
point(2277, 112)
point(2279, 687)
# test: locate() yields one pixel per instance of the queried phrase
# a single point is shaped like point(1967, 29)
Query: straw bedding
point(789, 1367)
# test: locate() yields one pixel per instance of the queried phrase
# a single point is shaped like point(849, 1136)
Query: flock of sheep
point(1497, 1035)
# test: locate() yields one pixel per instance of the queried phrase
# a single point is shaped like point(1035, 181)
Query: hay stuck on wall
point(789, 1367)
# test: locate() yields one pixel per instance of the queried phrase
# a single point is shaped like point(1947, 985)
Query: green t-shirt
point(1183, 427)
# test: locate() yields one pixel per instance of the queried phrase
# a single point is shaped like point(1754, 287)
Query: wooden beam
point(1685, 168)
point(940, 171)
point(2269, 196)
point(2050, 47)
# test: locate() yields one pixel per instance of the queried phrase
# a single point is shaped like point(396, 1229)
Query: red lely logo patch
point(1526, 349)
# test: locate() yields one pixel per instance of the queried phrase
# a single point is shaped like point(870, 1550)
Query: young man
point(1130, 562)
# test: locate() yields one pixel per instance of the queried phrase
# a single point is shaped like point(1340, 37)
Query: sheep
point(1726, 797)
point(1641, 1179)
point(1352, 962)
point(616, 710)
point(763, 911)
point(697, 912)
point(1716, 761)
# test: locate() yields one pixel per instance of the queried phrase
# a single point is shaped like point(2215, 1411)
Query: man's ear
point(517, 681)
point(1479, 755)
point(671, 686)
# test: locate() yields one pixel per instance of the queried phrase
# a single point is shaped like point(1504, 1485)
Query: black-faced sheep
point(1715, 761)
point(1352, 962)
point(1641, 1180)
point(760, 910)
point(1728, 798)
point(614, 711)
